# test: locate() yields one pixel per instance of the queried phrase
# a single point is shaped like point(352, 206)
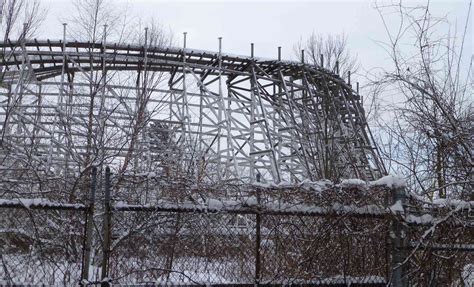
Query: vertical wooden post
point(398, 276)
point(337, 67)
point(279, 53)
point(184, 39)
point(321, 60)
point(257, 238)
point(86, 255)
point(302, 56)
point(251, 50)
point(106, 229)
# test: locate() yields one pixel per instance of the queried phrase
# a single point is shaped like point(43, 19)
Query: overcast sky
point(268, 24)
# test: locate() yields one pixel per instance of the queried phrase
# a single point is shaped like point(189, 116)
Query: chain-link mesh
point(305, 249)
point(182, 248)
point(40, 246)
point(260, 234)
point(206, 248)
point(440, 247)
point(285, 240)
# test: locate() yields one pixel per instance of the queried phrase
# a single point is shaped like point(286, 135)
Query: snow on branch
point(390, 181)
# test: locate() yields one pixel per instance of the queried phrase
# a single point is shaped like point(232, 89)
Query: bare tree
point(21, 17)
point(89, 17)
point(146, 82)
point(428, 136)
point(330, 52)
point(101, 21)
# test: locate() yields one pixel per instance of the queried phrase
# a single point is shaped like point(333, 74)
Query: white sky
point(268, 24)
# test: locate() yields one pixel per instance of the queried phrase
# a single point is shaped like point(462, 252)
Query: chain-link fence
point(40, 242)
point(264, 235)
point(318, 233)
point(215, 249)
point(438, 243)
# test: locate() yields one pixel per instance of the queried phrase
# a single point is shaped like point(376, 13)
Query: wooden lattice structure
point(67, 105)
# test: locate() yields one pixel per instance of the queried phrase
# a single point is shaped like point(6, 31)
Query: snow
point(250, 205)
point(202, 271)
point(285, 184)
point(38, 202)
point(455, 203)
point(105, 279)
point(425, 219)
point(30, 270)
point(224, 54)
point(316, 185)
point(219, 204)
point(392, 181)
point(397, 207)
point(353, 182)
point(34, 201)
point(149, 174)
point(352, 280)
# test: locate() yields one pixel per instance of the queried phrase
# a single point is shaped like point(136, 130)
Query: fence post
point(86, 256)
point(398, 276)
point(257, 237)
point(106, 229)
